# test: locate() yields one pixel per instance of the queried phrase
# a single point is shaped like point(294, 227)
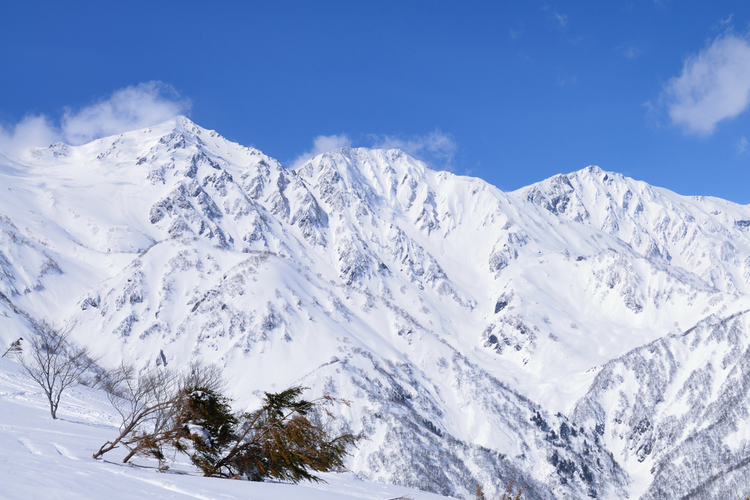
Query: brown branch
point(130, 428)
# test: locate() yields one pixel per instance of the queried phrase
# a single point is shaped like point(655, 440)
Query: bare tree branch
point(14, 348)
point(54, 363)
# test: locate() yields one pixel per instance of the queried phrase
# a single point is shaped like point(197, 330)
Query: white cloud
point(126, 109)
point(436, 148)
point(29, 132)
point(322, 144)
point(714, 85)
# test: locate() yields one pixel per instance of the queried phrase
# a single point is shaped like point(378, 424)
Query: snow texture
point(545, 335)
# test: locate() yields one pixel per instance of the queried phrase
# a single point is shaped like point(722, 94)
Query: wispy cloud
point(562, 19)
point(724, 23)
point(714, 85)
point(126, 109)
point(515, 33)
point(742, 145)
point(566, 81)
point(436, 148)
point(629, 51)
point(322, 144)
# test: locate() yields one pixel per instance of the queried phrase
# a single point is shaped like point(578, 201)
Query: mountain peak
point(186, 125)
point(446, 310)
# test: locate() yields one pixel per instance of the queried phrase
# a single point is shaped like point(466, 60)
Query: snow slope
point(466, 324)
point(676, 411)
point(45, 458)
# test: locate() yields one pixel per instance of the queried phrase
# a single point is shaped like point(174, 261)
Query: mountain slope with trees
point(467, 326)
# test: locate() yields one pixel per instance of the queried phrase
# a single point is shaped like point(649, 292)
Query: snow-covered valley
point(585, 336)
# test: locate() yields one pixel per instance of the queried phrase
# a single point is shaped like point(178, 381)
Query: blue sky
point(512, 92)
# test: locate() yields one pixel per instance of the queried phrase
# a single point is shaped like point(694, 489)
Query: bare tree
point(54, 363)
point(149, 400)
point(141, 399)
point(199, 374)
point(130, 392)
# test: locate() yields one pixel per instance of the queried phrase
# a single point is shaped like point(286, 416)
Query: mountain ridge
point(466, 324)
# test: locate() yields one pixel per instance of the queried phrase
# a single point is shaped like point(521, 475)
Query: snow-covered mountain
point(482, 336)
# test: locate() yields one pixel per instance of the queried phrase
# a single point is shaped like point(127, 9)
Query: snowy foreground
point(45, 458)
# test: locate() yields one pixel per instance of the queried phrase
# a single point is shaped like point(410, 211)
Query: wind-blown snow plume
point(30, 131)
point(714, 85)
point(436, 148)
point(322, 144)
point(126, 109)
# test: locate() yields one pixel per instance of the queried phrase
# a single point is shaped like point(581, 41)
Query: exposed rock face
point(677, 410)
point(481, 336)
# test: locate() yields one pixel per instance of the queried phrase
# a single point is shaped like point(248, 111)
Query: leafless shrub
point(202, 375)
point(54, 363)
point(130, 392)
point(147, 401)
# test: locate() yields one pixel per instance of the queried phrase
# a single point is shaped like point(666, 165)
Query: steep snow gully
point(586, 336)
